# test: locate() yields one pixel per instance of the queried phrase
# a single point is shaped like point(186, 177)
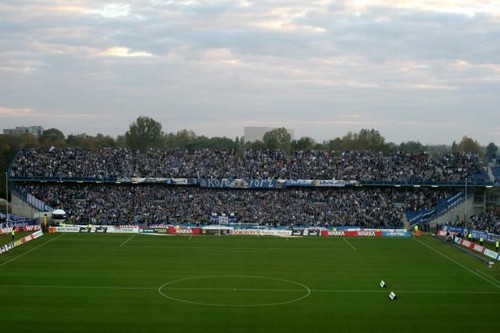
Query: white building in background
point(256, 133)
point(20, 130)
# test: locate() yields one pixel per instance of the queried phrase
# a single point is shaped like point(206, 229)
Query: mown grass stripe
point(31, 250)
point(457, 263)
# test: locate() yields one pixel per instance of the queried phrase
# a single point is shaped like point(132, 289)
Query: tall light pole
point(466, 212)
point(7, 195)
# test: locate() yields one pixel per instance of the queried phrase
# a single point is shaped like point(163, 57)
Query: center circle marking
point(302, 289)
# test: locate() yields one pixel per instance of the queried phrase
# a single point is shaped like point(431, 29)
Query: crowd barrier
point(227, 230)
point(469, 244)
point(18, 229)
point(9, 246)
point(476, 234)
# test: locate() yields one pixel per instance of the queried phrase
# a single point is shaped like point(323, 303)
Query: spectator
point(155, 203)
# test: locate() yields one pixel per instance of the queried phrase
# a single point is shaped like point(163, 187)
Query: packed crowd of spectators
point(488, 220)
point(110, 163)
point(155, 203)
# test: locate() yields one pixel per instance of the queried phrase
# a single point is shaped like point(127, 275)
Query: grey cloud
point(218, 60)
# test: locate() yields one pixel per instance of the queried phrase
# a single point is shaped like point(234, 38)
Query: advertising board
point(179, 230)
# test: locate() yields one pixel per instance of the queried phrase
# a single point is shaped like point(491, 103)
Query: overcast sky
point(425, 71)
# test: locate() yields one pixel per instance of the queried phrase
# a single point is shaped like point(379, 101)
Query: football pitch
point(143, 283)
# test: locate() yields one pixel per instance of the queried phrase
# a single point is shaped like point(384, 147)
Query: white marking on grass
point(77, 287)
point(240, 249)
point(488, 276)
point(125, 242)
point(333, 291)
point(457, 263)
point(451, 292)
point(167, 286)
point(33, 249)
point(234, 289)
point(350, 244)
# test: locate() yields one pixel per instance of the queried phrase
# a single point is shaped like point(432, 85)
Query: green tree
point(372, 140)
point(278, 138)
point(255, 145)
point(7, 153)
point(184, 136)
point(103, 141)
point(90, 142)
point(52, 137)
point(144, 133)
point(334, 145)
point(468, 145)
point(9, 146)
point(222, 143)
point(199, 142)
point(365, 140)
point(412, 147)
point(491, 150)
point(439, 149)
point(182, 139)
point(304, 143)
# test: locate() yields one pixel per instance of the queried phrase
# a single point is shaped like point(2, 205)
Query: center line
point(215, 289)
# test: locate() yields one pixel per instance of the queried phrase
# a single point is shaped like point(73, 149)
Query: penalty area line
point(128, 239)
point(350, 244)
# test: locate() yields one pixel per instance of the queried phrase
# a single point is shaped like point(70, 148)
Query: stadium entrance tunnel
point(234, 291)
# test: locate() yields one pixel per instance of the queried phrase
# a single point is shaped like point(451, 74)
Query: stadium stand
point(488, 221)
point(111, 163)
point(126, 203)
point(307, 188)
point(496, 173)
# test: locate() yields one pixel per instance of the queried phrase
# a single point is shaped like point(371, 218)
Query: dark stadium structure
point(260, 187)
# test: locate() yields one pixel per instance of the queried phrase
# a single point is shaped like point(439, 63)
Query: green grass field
point(142, 283)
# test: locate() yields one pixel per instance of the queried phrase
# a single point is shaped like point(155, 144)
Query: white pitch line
point(33, 249)
point(338, 291)
point(350, 244)
point(125, 242)
point(77, 287)
point(488, 276)
point(236, 289)
point(451, 292)
point(333, 291)
point(459, 264)
point(241, 249)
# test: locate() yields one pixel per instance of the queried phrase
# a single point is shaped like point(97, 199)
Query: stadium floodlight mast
point(466, 210)
point(7, 197)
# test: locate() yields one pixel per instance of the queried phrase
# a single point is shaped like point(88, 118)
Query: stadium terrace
point(120, 186)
